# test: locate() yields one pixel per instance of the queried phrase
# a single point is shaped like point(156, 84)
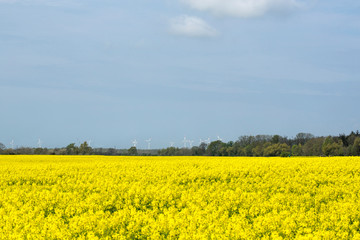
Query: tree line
point(303, 144)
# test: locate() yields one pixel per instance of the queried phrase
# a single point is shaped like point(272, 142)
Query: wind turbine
point(207, 141)
point(185, 141)
point(172, 144)
point(89, 143)
point(190, 143)
point(12, 144)
point(203, 141)
point(39, 143)
point(134, 143)
point(149, 142)
point(219, 138)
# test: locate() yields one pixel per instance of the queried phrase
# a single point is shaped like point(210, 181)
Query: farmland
point(98, 197)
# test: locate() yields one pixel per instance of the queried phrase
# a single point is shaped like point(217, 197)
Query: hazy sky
point(114, 71)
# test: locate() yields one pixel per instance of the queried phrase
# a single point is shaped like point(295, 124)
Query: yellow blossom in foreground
point(97, 197)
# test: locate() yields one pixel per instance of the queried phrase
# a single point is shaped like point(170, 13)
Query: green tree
point(85, 149)
point(313, 147)
point(39, 151)
point(2, 147)
point(332, 148)
point(214, 148)
point(302, 138)
point(231, 151)
point(275, 139)
point(201, 150)
point(258, 151)
point(71, 149)
point(276, 149)
point(356, 147)
point(296, 150)
point(133, 151)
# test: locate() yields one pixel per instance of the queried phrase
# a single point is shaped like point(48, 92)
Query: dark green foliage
point(296, 150)
point(332, 148)
point(355, 150)
point(276, 149)
point(133, 151)
point(285, 154)
point(71, 149)
point(215, 148)
point(85, 149)
point(302, 138)
point(313, 147)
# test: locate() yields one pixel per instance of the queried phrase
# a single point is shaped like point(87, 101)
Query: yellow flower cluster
point(97, 197)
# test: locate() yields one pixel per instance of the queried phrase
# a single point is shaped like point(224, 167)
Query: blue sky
point(114, 71)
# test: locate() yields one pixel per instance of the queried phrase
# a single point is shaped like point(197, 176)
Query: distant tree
point(85, 149)
point(248, 150)
point(356, 147)
point(170, 151)
point(263, 138)
point(199, 150)
point(223, 151)
point(24, 150)
point(285, 154)
point(132, 151)
point(202, 149)
point(313, 147)
point(296, 150)
point(231, 151)
point(110, 151)
point(275, 139)
point(351, 138)
point(230, 144)
point(344, 139)
point(2, 148)
point(71, 149)
point(302, 138)
point(39, 151)
point(258, 151)
point(214, 148)
point(276, 149)
point(332, 148)
point(239, 151)
point(184, 152)
point(244, 141)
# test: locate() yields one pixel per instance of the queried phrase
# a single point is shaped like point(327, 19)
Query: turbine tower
point(202, 141)
point(185, 141)
point(148, 142)
point(12, 144)
point(134, 143)
point(39, 143)
point(191, 143)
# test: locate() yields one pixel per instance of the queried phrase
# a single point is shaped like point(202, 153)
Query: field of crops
point(95, 197)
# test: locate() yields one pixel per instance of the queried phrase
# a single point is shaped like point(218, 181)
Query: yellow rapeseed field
point(97, 197)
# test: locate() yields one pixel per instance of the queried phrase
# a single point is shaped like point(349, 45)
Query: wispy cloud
point(191, 27)
point(243, 8)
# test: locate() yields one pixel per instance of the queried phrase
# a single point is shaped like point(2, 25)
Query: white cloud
point(191, 27)
point(243, 8)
